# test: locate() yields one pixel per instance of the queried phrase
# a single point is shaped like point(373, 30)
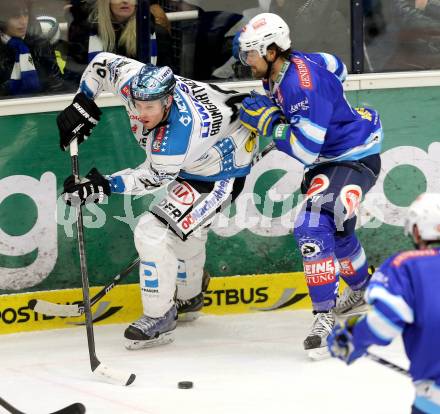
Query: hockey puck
point(185, 385)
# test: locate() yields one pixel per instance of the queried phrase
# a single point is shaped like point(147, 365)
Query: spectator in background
point(233, 68)
point(27, 60)
point(402, 35)
point(417, 23)
point(307, 20)
point(110, 27)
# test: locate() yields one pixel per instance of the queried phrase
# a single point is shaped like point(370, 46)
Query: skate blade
point(162, 339)
point(318, 354)
point(188, 316)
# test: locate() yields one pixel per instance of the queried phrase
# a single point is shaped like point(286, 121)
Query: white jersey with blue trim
point(201, 138)
point(403, 294)
point(321, 126)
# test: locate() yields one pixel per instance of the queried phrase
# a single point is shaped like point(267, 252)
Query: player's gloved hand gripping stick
point(340, 344)
point(77, 120)
point(97, 367)
point(258, 113)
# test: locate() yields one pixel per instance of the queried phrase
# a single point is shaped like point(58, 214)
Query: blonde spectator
point(115, 21)
point(111, 27)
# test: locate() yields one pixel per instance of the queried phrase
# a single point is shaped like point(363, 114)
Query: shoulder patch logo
point(304, 76)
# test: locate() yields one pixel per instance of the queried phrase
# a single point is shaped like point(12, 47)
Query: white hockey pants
point(165, 261)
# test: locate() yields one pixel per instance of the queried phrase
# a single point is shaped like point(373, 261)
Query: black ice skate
point(188, 310)
point(316, 341)
point(147, 332)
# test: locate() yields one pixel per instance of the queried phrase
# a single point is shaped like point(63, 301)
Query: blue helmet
point(152, 83)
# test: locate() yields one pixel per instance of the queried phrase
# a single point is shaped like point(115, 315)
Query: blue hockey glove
point(340, 342)
point(259, 114)
point(92, 189)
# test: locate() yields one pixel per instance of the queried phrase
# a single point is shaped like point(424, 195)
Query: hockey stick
point(97, 367)
point(76, 408)
point(387, 363)
point(257, 157)
point(55, 309)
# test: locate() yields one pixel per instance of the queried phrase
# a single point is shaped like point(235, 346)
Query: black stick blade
point(76, 408)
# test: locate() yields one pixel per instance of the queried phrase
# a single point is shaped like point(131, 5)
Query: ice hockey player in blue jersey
point(306, 114)
point(195, 148)
point(404, 298)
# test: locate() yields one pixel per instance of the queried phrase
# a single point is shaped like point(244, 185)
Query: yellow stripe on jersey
point(293, 138)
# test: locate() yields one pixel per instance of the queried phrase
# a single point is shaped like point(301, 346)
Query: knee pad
point(315, 234)
point(150, 233)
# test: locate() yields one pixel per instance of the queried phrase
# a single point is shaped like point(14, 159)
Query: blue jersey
point(404, 294)
point(321, 126)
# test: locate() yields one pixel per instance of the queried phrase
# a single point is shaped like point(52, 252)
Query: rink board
point(39, 253)
point(225, 295)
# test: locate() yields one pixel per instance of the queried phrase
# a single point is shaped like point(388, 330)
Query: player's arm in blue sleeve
point(331, 62)
point(390, 297)
point(303, 134)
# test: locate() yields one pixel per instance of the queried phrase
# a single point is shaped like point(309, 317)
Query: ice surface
point(252, 363)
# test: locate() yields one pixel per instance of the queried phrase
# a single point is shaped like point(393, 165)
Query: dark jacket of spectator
point(27, 61)
point(43, 57)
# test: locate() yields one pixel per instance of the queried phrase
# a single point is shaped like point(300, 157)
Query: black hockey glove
point(92, 189)
point(77, 120)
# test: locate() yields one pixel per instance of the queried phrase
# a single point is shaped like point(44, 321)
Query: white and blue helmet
point(263, 30)
point(152, 83)
point(425, 213)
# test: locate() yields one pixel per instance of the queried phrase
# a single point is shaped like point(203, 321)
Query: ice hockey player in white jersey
point(403, 294)
point(194, 146)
